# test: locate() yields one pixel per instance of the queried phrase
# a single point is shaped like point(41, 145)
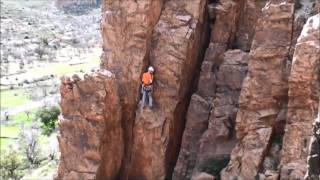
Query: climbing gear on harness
point(147, 88)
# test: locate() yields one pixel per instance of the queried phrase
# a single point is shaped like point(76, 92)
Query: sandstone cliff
point(314, 152)
point(90, 123)
point(304, 93)
point(232, 81)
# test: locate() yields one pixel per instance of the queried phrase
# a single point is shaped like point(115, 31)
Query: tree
point(10, 164)
point(29, 144)
point(48, 116)
point(27, 114)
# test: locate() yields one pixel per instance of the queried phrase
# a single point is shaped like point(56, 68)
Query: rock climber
point(147, 80)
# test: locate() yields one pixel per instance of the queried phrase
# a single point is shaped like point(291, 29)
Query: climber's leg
point(150, 99)
point(144, 94)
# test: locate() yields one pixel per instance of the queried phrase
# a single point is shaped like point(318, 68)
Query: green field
point(13, 98)
point(8, 135)
point(9, 131)
point(23, 117)
point(5, 142)
point(26, 3)
point(60, 69)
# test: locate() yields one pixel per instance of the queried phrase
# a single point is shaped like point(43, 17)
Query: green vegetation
point(30, 146)
point(60, 69)
point(24, 3)
point(29, 159)
point(49, 117)
point(9, 131)
point(8, 136)
point(214, 165)
point(5, 143)
point(24, 117)
point(10, 165)
point(12, 98)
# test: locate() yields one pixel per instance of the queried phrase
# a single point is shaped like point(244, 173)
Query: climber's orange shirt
point(147, 78)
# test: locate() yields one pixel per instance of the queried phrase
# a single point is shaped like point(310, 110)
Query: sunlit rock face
point(304, 93)
point(231, 80)
point(91, 136)
point(314, 152)
point(264, 90)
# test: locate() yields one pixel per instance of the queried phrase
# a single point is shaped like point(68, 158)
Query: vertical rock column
point(263, 92)
point(250, 12)
point(208, 106)
point(127, 28)
point(219, 139)
point(90, 127)
point(304, 92)
point(225, 18)
point(314, 152)
point(175, 53)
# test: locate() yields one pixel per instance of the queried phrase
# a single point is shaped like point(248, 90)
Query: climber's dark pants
point(146, 93)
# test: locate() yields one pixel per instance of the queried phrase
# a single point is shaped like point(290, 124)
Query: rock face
point(209, 133)
point(90, 126)
point(127, 28)
point(249, 14)
point(136, 35)
point(304, 93)
point(263, 91)
point(204, 115)
point(174, 54)
point(314, 152)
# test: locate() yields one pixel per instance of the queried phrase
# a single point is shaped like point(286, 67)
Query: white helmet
point(150, 69)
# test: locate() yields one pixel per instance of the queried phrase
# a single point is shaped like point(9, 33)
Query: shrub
point(10, 165)
point(40, 51)
point(45, 41)
point(48, 117)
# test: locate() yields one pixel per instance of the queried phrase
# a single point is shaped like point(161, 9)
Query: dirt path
point(48, 101)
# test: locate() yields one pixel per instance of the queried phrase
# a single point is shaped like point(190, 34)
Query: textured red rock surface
point(127, 28)
point(197, 123)
point(314, 152)
point(249, 14)
point(175, 56)
point(105, 134)
point(304, 93)
point(225, 16)
point(209, 132)
point(90, 126)
point(263, 91)
point(219, 139)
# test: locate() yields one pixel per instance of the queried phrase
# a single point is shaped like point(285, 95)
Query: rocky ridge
point(314, 152)
point(226, 87)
